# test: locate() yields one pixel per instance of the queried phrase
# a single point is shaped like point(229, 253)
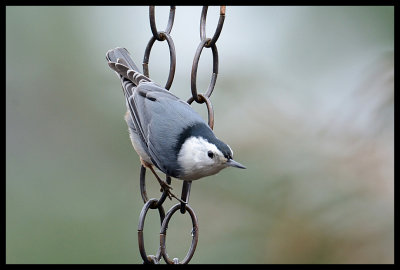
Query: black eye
point(210, 154)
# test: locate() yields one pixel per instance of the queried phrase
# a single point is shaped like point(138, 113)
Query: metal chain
point(161, 36)
point(199, 98)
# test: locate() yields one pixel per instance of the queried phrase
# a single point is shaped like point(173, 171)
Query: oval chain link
point(153, 22)
point(217, 30)
point(152, 203)
point(163, 235)
point(161, 36)
point(206, 43)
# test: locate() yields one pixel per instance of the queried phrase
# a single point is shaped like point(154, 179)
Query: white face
point(199, 158)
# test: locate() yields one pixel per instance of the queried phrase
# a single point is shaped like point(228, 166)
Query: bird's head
point(202, 154)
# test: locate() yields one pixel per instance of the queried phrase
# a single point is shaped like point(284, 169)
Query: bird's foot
point(166, 187)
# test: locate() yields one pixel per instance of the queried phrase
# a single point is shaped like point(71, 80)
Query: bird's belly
point(138, 146)
point(199, 173)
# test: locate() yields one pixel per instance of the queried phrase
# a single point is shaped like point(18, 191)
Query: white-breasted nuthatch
point(165, 131)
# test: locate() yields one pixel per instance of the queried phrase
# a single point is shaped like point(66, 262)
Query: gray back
point(163, 117)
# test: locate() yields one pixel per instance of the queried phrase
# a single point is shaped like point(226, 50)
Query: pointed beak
point(236, 164)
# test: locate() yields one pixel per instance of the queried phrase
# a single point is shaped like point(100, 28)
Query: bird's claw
point(167, 187)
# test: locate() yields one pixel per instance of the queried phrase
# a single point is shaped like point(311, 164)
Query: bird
point(165, 131)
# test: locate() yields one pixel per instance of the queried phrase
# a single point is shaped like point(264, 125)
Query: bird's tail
point(121, 62)
point(121, 53)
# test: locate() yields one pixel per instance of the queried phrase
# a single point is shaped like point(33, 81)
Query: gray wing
point(162, 117)
point(158, 116)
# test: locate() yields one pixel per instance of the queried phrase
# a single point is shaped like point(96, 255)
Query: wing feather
point(158, 115)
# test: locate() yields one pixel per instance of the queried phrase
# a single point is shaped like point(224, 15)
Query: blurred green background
point(305, 97)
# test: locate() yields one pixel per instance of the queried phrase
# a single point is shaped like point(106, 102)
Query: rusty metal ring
point(210, 109)
point(194, 71)
point(218, 30)
point(153, 26)
point(148, 259)
point(163, 234)
point(143, 191)
point(172, 58)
